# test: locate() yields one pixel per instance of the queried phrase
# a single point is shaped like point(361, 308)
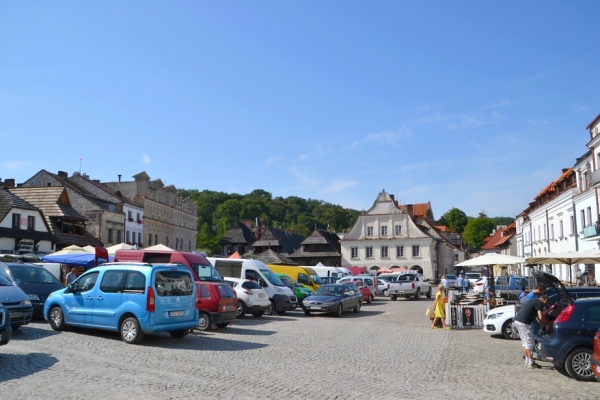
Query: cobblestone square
point(387, 351)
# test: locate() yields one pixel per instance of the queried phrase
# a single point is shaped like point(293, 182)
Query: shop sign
point(468, 317)
point(26, 245)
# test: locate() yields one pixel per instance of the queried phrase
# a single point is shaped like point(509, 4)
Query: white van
point(345, 271)
point(325, 272)
point(282, 298)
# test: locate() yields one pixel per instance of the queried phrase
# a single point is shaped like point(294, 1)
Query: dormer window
point(369, 231)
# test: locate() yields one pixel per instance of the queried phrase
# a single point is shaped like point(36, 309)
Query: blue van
point(132, 298)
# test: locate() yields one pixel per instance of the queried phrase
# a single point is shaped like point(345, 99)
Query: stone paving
point(387, 351)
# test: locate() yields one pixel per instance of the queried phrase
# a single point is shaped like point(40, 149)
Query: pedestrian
point(71, 276)
point(539, 290)
point(438, 306)
point(530, 311)
point(446, 285)
point(524, 292)
point(467, 285)
point(460, 281)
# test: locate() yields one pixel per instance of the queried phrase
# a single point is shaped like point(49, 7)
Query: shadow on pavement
point(236, 330)
point(31, 332)
point(16, 366)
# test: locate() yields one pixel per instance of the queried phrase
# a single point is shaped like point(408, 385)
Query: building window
point(456, 257)
point(583, 225)
point(353, 252)
point(16, 222)
point(552, 231)
point(398, 229)
point(138, 217)
point(544, 235)
point(110, 233)
point(119, 236)
point(384, 251)
point(129, 217)
point(560, 229)
point(369, 231)
point(156, 238)
point(31, 223)
point(127, 237)
point(399, 251)
point(140, 238)
point(149, 239)
point(584, 181)
point(369, 252)
point(167, 241)
point(384, 230)
point(589, 216)
point(415, 251)
point(572, 224)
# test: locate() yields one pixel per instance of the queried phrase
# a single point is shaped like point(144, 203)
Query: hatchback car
point(335, 298)
point(14, 299)
point(36, 282)
point(5, 328)
point(383, 287)
point(251, 297)
point(131, 298)
point(364, 290)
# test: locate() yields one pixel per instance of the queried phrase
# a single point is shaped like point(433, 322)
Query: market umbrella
point(569, 258)
point(491, 259)
point(90, 249)
point(70, 250)
point(83, 260)
point(120, 246)
point(159, 247)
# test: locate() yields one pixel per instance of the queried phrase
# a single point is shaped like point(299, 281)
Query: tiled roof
point(442, 228)
point(491, 243)
point(53, 201)
point(9, 200)
point(319, 254)
point(238, 233)
point(270, 257)
point(321, 236)
point(503, 240)
point(416, 210)
point(271, 237)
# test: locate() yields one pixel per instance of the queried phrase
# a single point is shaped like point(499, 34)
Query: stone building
point(169, 219)
point(103, 216)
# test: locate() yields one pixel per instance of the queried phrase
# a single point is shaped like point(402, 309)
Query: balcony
point(591, 230)
point(596, 178)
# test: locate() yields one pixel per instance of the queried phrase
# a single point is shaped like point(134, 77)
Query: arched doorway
point(417, 268)
point(395, 267)
point(374, 268)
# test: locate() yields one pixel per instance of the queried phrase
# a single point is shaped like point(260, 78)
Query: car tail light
point(248, 291)
point(565, 314)
point(413, 285)
point(388, 285)
point(150, 300)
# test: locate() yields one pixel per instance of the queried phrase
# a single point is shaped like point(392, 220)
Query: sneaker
point(533, 366)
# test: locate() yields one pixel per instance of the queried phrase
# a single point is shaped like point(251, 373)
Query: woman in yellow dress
point(438, 307)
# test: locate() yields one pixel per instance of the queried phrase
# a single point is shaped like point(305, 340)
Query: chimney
point(119, 177)
point(9, 183)
point(63, 174)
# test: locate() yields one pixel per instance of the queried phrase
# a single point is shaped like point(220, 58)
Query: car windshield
point(5, 278)
point(407, 277)
point(450, 276)
point(271, 277)
point(24, 274)
point(315, 278)
point(336, 291)
point(290, 281)
point(472, 276)
point(206, 273)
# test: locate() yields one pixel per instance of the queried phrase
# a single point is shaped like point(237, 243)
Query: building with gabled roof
point(278, 240)
point(321, 246)
point(239, 237)
point(23, 228)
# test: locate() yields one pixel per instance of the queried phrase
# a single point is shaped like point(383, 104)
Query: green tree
point(456, 220)
point(477, 229)
point(208, 242)
point(429, 214)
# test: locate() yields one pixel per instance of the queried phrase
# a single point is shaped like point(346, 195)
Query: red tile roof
point(490, 244)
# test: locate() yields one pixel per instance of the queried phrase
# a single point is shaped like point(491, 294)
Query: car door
point(107, 298)
point(592, 321)
point(79, 302)
point(350, 299)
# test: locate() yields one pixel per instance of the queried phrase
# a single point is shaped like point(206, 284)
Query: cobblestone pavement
point(386, 351)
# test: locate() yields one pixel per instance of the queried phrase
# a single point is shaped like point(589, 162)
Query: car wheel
point(57, 319)
point(272, 309)
point(180, 333)
point(222, 325)
point(370, 299)
point(509, 331)
point(579, 365)
point(130, 331)
point(339, 311)
point(306, 312)
point(258, 313)
point(418, 294)
point(241, 309)
point(394, 297)
point(203, 322)
point(357, 308)
point(385, 293)
point(428, 295)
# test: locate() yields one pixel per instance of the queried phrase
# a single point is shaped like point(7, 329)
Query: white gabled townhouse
point(388, 237)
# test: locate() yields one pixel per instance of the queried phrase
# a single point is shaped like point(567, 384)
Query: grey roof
point(319, 254)
point(288, 241)
point(9, 200)
point(321, 236)
point(237, 234)
point(270, 257)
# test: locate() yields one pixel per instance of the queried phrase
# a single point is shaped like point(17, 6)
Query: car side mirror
point(71, 288)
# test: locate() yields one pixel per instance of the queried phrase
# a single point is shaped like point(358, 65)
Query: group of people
point(462, 284)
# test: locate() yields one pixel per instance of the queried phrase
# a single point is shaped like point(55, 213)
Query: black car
point(36, 282)
point(5, 328)
point(335, 298)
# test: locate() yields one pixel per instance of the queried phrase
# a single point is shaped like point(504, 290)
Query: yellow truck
point(305, 276)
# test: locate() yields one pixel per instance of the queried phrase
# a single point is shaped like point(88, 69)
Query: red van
point(358, 270)
point(215, 300)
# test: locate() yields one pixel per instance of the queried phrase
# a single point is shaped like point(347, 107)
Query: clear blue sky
point(468, 104)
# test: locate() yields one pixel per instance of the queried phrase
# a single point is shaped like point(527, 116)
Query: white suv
point(370, 280)
point(251, 298)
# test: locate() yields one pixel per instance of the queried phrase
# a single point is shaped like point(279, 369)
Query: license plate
point(15, 315)
point(315, 308)
point(176, 313)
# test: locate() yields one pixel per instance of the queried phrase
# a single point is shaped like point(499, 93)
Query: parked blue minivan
point(132, 298)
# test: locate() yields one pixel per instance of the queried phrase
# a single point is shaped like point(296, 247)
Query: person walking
point(71, 276)
point(438, 306)
point(460, 281)
point(467, 284)
point(446, 285)
point(530, 311)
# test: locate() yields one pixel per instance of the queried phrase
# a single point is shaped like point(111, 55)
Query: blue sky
point(475, 105)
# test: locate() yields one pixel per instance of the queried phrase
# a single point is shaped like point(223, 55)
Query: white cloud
point(146, 159)
point(382, 138)
point(13, 164)
point(419, 189)
point(337, 185)
point(272, 160)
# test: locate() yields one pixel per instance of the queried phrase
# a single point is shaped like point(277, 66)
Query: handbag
point(430, 312)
